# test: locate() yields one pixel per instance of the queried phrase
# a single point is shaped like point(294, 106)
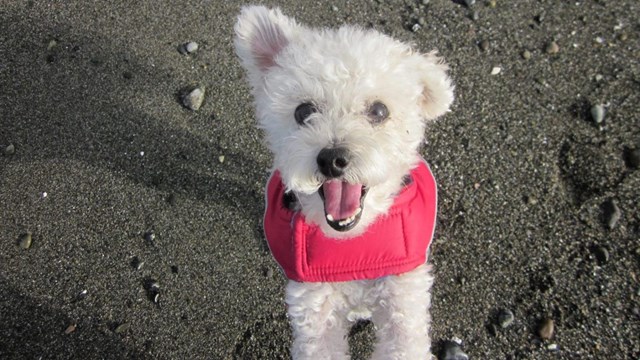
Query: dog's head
point(344, 112)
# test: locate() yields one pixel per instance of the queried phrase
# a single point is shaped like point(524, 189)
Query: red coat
point(393, 244)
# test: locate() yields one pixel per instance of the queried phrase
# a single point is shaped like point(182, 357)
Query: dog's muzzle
point(343, 201)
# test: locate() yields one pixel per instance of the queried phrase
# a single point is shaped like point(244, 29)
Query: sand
point(109, 170)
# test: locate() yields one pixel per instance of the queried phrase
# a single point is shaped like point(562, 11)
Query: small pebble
point(597, 113)
point(193, 100)
point(122, 328)
point(545, 330)
point(150, 237)
point(10, 149)
point(552, 347)
point(599, 77)
point(452, 351)
point(496, 70)
point(526, 54)
point(602, 255)
point(136, 263)
point(25, 240)
point(475, 16)
point(491, 3)
point(53, 43)
point(71, 328)
point(221, 159)
point(415, 27)
point(552, 48)
point(81, 295)
point(334, 8)
point(191, 47)
point(469, 3)
point(153, 290)
point(484, 45)
point(269, 273)
point(188, 48)
point(422, 21)
point(612, 213)
point(505, 318)
point(623, 37)
point(425, 2)
point(633, 158)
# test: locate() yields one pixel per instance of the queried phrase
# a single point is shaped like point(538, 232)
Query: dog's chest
point(395, 243)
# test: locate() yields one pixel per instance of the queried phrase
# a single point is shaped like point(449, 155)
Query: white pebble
point(194, 99)
point(496, 70)
point(597, 113)
point(10, 149)
point(191, 47)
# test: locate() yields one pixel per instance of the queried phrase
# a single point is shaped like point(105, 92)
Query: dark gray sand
point(145, 217)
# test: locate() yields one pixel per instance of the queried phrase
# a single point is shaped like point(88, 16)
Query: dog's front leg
point(316, 315)
point(401, 316)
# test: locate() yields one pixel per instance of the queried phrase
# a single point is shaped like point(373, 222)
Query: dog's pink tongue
point(341, 199)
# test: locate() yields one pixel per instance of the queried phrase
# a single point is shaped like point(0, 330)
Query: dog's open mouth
point(343, 203)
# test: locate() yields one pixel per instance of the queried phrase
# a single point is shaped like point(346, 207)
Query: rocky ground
point(130, 225)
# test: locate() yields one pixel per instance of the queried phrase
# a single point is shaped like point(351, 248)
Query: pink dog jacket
point(393, 244)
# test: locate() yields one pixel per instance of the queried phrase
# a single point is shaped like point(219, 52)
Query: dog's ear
point(261, 34)
point(437, 93)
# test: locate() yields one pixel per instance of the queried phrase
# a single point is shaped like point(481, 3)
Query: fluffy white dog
point(351, 204)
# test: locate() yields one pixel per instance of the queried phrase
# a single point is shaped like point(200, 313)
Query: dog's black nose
point(333, 161)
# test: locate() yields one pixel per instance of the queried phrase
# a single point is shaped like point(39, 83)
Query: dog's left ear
point(261, 34)
point(437, 93)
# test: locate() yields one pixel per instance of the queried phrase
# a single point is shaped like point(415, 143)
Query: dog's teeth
point(347, 221)
point(358, 211)
point(329, 217)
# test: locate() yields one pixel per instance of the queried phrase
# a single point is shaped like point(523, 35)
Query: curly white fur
point(321, 314)
point(343, 71)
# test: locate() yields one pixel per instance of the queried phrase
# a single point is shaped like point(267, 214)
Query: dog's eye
point(378, 112)
point(303, 111)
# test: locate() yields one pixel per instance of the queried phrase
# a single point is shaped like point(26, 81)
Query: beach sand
point(145, 216)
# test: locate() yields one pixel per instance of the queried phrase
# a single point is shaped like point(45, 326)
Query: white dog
point(351, 204)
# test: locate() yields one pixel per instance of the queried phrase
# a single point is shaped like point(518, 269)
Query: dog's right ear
point(261, 34)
